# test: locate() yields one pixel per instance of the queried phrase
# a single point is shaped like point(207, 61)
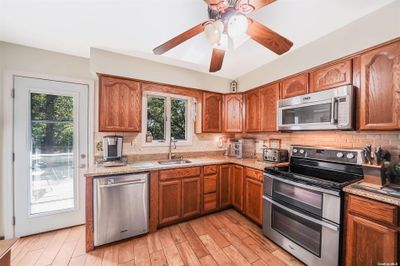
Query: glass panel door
point(319, 113)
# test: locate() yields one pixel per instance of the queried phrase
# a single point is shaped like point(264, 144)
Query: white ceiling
point(135, 27)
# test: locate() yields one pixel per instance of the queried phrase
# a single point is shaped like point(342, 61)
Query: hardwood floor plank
point(235, 256)
point(198, 226)
point(110, 256)
point(233, 227)
point(208, 261)
point(53, 247)
point(212, 219)
point(187, 254)
point(170, 250)
point(217, 253)
point(194, 241)
point(141, 252)
point(260, 263)
point(286, 257)
point(78, 261)
point(23, 249)
point(29, 258)
point(125, 251)
point(64, 254)
point(128, 263)
point(95, 257)
point(216, 235)
point(240, 246)
point(157, 258)
point(177, 234)
point(153, 242)
point(263, 252)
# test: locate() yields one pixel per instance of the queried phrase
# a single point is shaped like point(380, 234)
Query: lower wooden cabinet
point(170, 196)
point(237, 192)
point(225, 185)
point(370, 240)
point(191, 196)
point(253, 199)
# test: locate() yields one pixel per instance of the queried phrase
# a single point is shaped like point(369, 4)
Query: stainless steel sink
point(169, 162)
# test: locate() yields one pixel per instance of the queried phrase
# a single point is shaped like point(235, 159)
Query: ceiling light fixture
point(237, 26)
point(213, 31)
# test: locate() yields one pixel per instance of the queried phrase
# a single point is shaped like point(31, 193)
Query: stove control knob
point(294, 150)
point(350, 156)
point(302, 151)
point(339, 154)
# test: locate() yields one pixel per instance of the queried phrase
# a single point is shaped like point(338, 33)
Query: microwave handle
point(335, 111)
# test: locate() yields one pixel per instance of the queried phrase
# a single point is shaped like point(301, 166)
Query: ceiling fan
point(229, 26)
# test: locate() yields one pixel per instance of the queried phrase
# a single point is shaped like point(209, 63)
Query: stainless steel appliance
point(121, 207)
point(302, 203)
point(112, 148)
point(242, 148)
point(330, 109)
point(275, 155)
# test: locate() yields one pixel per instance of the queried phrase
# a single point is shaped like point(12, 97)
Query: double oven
point(302, 213)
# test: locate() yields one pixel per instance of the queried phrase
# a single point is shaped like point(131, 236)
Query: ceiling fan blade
point(268, 38)
point(217, 59)
point(179, 39)
point(252, 5)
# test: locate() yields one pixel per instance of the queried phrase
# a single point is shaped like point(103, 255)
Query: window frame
point(168, 114)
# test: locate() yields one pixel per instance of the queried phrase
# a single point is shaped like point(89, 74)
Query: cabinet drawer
point(377, 211)
point(252, 173)
point(210, 184)
point(179, 173)
point(210, 169)
point(210, 202)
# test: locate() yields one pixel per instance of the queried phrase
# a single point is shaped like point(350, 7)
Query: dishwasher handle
point(139, 181)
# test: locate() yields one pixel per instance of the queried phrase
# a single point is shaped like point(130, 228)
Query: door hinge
point(13, 221)
point(13, 93)
point(13, 157)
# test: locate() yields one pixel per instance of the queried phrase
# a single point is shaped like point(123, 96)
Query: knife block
point(374, 176)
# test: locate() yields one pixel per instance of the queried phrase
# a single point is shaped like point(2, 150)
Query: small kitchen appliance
point(242, 148)
point(112, 148)
point(275, 155)
point(303, 202)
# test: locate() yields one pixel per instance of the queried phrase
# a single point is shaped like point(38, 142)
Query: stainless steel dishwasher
point(121, 207)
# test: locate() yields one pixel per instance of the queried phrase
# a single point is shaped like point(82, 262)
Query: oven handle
point(303, 185)
point(323, 223)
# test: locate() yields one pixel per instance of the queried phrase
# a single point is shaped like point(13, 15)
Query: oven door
point(312, 240)
point(309, 116)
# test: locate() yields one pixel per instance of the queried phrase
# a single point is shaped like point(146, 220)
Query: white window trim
point(189, 121)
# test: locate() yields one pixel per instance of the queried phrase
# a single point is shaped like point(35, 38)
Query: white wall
point(102, 61)
point(25, 59)
point(375, 28)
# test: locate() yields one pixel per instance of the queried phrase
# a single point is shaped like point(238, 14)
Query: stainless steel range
point(302, 203)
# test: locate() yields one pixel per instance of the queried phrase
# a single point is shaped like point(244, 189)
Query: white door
point(50, 146)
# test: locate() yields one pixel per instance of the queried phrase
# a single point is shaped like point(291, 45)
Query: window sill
point(165, 144)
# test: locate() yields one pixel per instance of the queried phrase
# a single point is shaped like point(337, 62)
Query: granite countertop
point(145, 166)
point(372, 195)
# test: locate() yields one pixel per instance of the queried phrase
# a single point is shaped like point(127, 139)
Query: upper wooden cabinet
point(331, 76)
point(252, 112)
point(120, 105)
point(269, 95)
point(294, 86)
point(212, 112)
point(233, 113)
point(380, 88)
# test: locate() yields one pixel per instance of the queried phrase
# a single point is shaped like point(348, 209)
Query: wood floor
point(225, 238)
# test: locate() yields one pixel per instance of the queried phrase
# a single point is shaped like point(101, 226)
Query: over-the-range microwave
point(325, 110)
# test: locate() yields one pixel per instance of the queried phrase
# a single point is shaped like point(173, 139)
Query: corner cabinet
point(233, 113)
point(331, 76)
point(225, 185)
point(120, 105)
point(252, 111)
point(212, 112)
point(380, 88)
point(294, 86)
point(237, 192)
point(269, 95)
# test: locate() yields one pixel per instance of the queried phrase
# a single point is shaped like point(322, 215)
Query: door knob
point(83, 156)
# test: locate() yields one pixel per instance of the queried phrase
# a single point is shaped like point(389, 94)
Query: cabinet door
point(331, 76)
point(169, 201)
point(233, 113)
point(253, 199)
point(120, 105)
point(252, 111)
point(212, 112)
point(269, 96)
point(380, 88)
point(237, 199)
point(294, 86)
point(224, 186)
point(369, 243)
point(191, 196)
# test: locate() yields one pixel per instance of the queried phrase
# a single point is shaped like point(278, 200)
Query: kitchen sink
point(171, 162)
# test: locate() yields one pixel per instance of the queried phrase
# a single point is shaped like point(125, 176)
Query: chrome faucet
point(172, 142)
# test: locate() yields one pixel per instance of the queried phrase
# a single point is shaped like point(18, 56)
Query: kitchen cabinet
point(253, 195)
point(212, 112)
point(179, 194)
point(252, 111)
point(237, 192)
point(225, 185)
point(294, 86)
point(233, 113)
point(371, 232)
point(269, 95)
point(120, 105)
point(380, 88)
point(210, 188)
point(331, 76)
